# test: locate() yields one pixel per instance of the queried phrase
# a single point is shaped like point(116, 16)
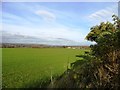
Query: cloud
point(46, 15)
point(103, 14)
point(47, 32)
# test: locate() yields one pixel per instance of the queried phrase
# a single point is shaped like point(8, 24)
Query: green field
point(30, 67)
point(0, 68)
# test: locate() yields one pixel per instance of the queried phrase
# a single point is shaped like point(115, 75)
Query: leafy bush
point(100, 67)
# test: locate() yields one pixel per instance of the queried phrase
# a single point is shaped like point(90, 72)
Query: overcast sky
point(67, 20)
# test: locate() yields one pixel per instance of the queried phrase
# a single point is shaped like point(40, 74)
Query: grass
point(0, 68)
point(30, 67)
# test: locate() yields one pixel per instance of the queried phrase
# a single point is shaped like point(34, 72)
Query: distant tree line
point(18, 45)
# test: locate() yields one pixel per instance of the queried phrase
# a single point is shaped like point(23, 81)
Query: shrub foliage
point(100, 67)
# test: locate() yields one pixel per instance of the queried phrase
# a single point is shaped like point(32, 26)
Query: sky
point(53, 22)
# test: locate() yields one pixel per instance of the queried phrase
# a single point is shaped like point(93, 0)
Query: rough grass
point(32, 67)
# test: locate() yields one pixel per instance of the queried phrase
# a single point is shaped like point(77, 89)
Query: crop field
point(30, 67)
